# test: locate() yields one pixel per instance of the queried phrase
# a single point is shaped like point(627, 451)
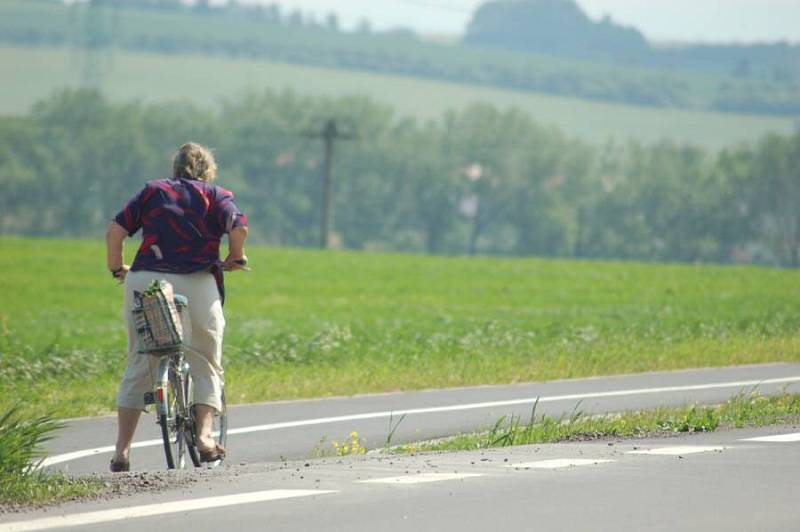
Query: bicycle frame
point(178, 364)
point(172, 387)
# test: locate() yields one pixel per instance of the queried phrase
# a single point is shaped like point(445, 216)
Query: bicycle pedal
point(149, 398)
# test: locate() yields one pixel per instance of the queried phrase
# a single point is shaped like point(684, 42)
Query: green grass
point(37, 72)
point(743, 410)
point(21, 483)
point(310, 324)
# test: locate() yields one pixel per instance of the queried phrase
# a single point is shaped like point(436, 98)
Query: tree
point(551, 26)
point(482, 180)
point(332, 22)
point(776, 169)
point(296, 18)
point(273, 13)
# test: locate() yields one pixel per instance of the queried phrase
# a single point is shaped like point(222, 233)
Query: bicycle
point(159, 319)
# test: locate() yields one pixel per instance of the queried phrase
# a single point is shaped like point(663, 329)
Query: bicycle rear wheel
point(171, 401)
point(219, 429)
point(191, 426)
point(221, 423)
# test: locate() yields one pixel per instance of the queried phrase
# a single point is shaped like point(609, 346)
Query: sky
point(660, 20)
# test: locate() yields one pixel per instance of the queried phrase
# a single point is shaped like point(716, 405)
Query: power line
point(95, 28)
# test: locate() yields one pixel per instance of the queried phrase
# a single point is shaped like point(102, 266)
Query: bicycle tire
point(219, 429)
point(221, 423)
point(172, 418)
point(191, 440)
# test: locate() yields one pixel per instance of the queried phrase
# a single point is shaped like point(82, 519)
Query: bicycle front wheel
point(172, 415)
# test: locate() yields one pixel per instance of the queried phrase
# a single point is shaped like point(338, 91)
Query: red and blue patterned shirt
point(182, 223)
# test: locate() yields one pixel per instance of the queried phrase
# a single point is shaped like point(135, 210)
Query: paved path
point(712, 482)
point(271, 431)
point(729, 480)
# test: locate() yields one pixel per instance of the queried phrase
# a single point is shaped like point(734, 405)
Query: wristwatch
point(116, 272)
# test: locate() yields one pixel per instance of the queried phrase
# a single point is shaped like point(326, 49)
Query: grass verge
point(21, 481)
point(743, 410)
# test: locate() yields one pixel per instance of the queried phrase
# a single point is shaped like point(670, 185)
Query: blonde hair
point(193, 161)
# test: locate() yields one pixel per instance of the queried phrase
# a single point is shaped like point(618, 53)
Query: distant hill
point(552, 26)
point(759, 78)
point(546, 46)
point(561, 27)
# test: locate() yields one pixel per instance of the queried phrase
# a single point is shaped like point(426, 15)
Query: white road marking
point(780, 438)
point(57, 459)
point(105, 516)
point(558, 464)
point(421, 478)
point(452, 408)
point(679, 450)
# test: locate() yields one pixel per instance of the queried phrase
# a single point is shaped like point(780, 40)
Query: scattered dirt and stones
point(155, 481)
point(118, 485)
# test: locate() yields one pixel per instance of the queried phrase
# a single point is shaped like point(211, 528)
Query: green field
point(205, 80)
point(310, 324)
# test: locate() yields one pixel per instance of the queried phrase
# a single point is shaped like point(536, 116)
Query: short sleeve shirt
point(182, 223)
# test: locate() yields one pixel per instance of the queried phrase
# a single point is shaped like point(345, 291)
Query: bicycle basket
point(158, 324)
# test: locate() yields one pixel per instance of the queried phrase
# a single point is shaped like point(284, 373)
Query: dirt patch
point(121, 485)
point(113, 486)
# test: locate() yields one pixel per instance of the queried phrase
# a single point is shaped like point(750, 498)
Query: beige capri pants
point(203, 340)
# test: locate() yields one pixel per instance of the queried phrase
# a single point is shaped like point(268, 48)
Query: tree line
point(481, 180)
point(236, 29)
point(758, 78)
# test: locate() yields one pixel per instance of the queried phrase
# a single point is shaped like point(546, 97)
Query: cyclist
point(183, 220)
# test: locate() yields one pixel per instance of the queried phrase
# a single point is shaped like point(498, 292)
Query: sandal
point(121, 466)
point(212, 455)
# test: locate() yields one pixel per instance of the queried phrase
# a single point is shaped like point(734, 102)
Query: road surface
point(721, 481)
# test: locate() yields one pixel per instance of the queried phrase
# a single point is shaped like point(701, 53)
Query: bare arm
point(236, 239)
point(115, 240)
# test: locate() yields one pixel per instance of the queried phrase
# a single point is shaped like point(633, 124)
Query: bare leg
point(127, 419)
point(205, 424)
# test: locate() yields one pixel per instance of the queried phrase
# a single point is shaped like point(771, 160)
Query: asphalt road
point(292, 430)
point(720, 483)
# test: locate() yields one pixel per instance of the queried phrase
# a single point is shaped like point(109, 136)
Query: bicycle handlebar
point(238, 262)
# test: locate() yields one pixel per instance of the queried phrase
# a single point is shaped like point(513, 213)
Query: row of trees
point(241, 30)
point(270, 13)
point(553, 26)
point(760, 78)
point(478, 181)
point(562, 27)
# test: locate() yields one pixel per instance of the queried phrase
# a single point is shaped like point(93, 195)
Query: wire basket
point(156, 318)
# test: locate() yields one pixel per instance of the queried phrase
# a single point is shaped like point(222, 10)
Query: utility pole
point(329, 134)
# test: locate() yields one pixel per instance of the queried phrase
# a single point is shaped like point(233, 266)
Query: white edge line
point(57, 459)
point(777, 438)
point(560, 463)
point(421, 478)
point(104, 516)
point(680, 449)
point(375, 395)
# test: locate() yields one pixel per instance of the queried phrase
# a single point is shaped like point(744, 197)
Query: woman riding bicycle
point(183, 220)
